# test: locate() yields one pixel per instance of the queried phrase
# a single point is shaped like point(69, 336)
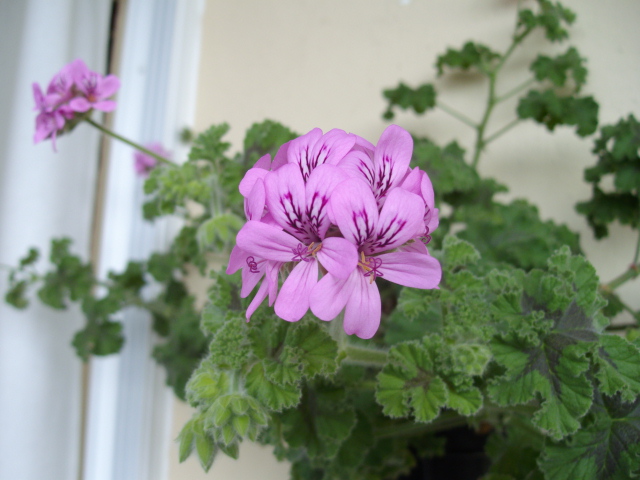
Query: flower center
point(305, 254)
point(370, 265)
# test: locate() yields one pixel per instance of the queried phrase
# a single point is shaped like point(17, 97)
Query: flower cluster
point(335, 204)
point(73, 91)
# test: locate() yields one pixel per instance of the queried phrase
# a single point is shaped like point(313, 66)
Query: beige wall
point(323, 63)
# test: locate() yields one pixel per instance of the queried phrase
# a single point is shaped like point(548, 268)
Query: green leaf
point(103, 338)
point(321, 423)
point(315, 350)
point(618, 160)
point(30, 258)
point(471, 55)
point(219, 231)
point(551, 17)
point(186, 439)
point(547, 357)
point(230, 347)
point(209, 145)
point(558, 69)
point(276, 396)
point(618, 371)
point(419, 99)
point(459, 253)
point(607, 449)
point(552, 110)
point(265, 137)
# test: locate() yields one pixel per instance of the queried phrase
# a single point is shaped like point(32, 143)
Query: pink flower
point(376, 235)
point(74, 89)
point(144, 163)
point(299, 236)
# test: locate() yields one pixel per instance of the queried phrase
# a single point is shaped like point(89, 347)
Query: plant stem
point(337, 331)
point(492, 99)
point(504, 129)
point(106, 131)
point(632, 272)
point(454, 113)
point(515, 90)
point(360, 355)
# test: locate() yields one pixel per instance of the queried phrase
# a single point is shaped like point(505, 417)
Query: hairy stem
point(456, 114)
point(632, 272)
point(492, 98)
point(516, 90)
point(370, 357)
point(139, 147)
point(503, 130)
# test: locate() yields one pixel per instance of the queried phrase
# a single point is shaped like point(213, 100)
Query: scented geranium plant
point(378, 296)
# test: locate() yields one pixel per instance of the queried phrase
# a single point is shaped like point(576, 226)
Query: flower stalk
point(131, 143)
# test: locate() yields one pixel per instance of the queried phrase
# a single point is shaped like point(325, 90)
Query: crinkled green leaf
point(230, 346)
point(551, 17)
point(209, 145)
point(607, 449)
point(558, 69)
point(276, 396)
point(316, 351)
point(552, 110)
point(98, 338)
point(321, 423)
point(618, 367)
point(471, 55)
point(419, 99)
point(618, 158)
point(547, 360)
point(219, 231)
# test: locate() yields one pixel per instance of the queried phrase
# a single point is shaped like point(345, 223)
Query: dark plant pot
point(464, 458)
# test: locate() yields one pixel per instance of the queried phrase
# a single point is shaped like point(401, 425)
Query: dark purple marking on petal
point(363, 226)
point(293, 215)
point(387, 234)
point(383, 181)
point(316, 213)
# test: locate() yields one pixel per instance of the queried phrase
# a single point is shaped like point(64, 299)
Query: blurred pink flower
point(144, 163)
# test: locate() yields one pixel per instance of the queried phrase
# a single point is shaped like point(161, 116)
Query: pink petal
point(412, 181)
point(80, 104)
point(358, 164)
point(281, 156)
point(105, 106)
point(355, 210)
point(410, 269)
point(261, 294)
point(391, 158)
point(109, 85)
point(237, 260)
point(330, 296)
point(266, 241)
point(332, 147)
point(426, 190)
point(250, 178)
point(401, 219)
point(338, 256)
point(273, 268)
point(255, 202)
point(299, 150)
point(363, 310)
point(250, 279)
point(285, 194)
point(318, 190)
point(263, 162)
point(293, 299)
